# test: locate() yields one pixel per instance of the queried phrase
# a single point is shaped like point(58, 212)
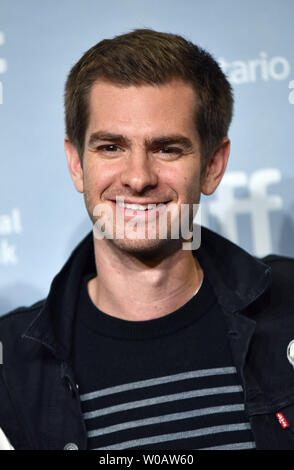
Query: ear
point(215, 167)
point(74, 164)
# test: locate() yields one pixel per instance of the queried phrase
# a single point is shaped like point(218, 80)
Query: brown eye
point(109, 148)
point(171, 152)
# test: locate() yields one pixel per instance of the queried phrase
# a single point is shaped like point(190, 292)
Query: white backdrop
point(42, 217)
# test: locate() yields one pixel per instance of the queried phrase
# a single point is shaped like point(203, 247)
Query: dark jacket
point(39, 400)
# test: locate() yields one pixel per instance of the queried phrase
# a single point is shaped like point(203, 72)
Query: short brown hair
point(145, 56)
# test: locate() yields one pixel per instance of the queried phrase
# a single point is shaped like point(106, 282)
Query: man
point(141, 342)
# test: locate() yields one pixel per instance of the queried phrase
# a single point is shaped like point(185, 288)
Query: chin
point(147, 249)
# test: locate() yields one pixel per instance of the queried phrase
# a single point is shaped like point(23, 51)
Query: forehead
point(144, 109)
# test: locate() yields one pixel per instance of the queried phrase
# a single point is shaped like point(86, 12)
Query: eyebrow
point(172, 139)
point(106, 137)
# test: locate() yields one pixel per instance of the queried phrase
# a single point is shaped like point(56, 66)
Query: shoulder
point(278, 260)
point(282, 267)
point(278, 298)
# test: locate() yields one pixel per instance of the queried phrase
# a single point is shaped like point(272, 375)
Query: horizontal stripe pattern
point(233, 446)
point(178, 435)
point(158, 381)
point(163, 420)
point(162, 399)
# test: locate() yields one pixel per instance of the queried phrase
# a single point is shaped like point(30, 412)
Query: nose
point(139, 172)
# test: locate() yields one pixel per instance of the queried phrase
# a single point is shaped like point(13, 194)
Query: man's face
point(141, 144)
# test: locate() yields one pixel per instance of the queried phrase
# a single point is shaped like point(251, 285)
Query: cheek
point(98, 177)
point(185, 181)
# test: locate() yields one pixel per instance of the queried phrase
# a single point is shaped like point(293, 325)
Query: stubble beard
point(151, 250)
point(144, 248)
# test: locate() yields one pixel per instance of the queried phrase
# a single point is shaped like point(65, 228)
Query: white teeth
point(138, 207)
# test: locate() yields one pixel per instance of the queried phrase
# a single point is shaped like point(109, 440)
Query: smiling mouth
point(140, 207)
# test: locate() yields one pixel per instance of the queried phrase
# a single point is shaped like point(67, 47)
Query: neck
point(136, 288)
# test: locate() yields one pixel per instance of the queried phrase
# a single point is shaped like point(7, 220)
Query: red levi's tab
point(282, 420)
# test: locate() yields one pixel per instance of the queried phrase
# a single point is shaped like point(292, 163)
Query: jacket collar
point(237, 278)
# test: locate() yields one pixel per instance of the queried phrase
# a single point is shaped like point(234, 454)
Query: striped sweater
point(165, 384)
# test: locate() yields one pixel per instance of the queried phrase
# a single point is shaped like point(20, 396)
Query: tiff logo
point(259, 203)
point(3, 66)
